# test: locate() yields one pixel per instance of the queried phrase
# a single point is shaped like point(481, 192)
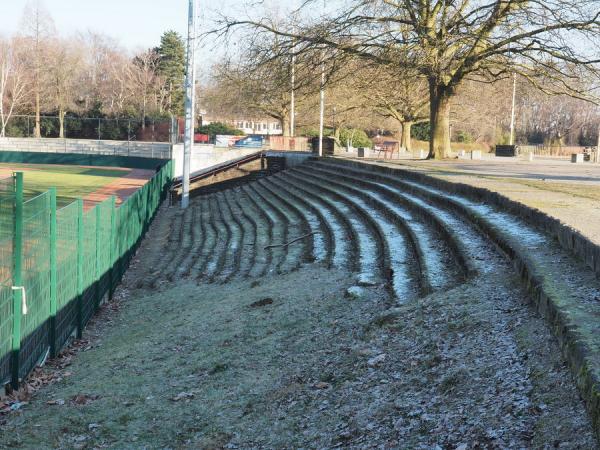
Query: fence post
point(98, 275)
point(53, 273)
point(79, 268)
point(112, 245)
point(17, 281)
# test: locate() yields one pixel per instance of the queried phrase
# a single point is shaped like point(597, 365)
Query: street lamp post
point(322, 96)
point(512, 114)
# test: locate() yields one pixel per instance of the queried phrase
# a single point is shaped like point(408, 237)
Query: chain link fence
point(59, 263)
point(100, 128)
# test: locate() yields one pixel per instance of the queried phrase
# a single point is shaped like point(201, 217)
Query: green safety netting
point(7, 227)
point(57, 265)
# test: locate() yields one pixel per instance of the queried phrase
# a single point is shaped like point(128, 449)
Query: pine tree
point(171, 66)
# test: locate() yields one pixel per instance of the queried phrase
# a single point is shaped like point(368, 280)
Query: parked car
point(250, 142)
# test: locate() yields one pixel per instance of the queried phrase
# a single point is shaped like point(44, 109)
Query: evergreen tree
point(171, 66)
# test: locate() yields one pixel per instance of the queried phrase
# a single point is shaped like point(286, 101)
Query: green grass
point(71, 182)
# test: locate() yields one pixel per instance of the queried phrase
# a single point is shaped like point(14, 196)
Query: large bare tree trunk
point(405, 139)
point(38, 127)
point(61, 123)
point(439, 142)
point(285, 126)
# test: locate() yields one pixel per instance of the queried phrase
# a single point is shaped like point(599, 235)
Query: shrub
point(219, 128)
point(357, 138)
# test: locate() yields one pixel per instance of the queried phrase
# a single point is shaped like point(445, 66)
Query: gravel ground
point(569, 192)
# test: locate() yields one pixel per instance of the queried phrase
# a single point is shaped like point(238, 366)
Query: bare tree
point(13, 82)
point(38, 28)
point(450, 41)
point(146, 82)
point(401, 98)
point(65, 65)
point(259, 83)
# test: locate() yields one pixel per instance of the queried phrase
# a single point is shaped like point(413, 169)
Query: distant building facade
point(264, 126)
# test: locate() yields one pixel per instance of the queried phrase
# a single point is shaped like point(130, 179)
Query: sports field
point(93, 184)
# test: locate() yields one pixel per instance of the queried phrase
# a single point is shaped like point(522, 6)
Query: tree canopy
point(447, 42)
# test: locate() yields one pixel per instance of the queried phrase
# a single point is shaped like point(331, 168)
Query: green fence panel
point(35, 280)
point(89, 264)
point(67, 260)
point(104, 250)
point(7, 228)
point(66, 271)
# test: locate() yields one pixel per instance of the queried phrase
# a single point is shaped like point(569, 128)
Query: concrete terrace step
point(563, 288)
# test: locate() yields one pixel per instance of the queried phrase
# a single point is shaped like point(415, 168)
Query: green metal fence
point(57, 265)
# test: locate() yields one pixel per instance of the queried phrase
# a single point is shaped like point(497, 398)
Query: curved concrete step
point(197, 237)
point(323, 237)
point(262, 233)
point(409, 276)
point(198, 268)
point(218, 256)
point(234, 242)
point(564, 289)
point(178, 240)
point(374, 251)
point(344, 245)
point(434, 255)
point(247, 254)
point(467, 243)
point(280, 224)
point(274, 256)
point(299, 222)
point(296, 226)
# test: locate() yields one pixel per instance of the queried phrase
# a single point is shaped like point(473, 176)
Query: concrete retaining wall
point(205, 156)
point(159, 150)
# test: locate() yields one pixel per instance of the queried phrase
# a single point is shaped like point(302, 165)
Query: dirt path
point(569, 192)
point(122, 188)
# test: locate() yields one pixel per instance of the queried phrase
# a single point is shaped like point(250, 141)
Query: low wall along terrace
point(159, 150)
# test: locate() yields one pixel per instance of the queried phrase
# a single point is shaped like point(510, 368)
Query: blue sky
point(134, 23)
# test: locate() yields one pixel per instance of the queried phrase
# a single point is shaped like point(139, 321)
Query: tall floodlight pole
point(321, 108)
point(512, 114)
point(598, 146)
point(322, 96)
point(293, 98)
point(190, 82)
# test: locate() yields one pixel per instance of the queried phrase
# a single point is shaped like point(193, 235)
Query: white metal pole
point(322, 109)
point(293, 99)
point(598, 146)
point(322, 96)
point(190, 82)
point(512, 114)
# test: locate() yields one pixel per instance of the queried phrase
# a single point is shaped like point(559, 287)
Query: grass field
point(71, 182)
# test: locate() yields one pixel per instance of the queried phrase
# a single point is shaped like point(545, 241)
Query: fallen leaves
point(83, 399)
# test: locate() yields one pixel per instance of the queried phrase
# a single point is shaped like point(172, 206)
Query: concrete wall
point(204, 156)
point(160, 150)
point(292, 159)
